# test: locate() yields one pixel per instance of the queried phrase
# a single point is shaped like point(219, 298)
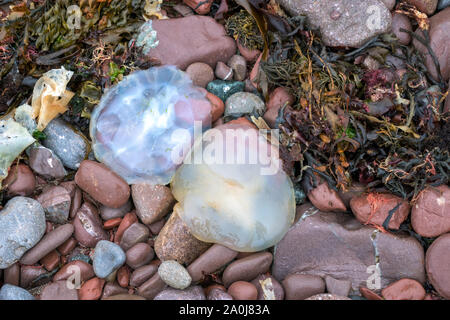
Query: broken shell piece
point(14, 138)
point(50, 97)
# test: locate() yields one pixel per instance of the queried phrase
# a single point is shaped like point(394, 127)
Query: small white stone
point(174, 274)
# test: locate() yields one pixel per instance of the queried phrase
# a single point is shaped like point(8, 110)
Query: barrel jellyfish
point(144, 125)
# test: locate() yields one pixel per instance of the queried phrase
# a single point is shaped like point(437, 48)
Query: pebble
point(12, 275)
point(102, 184)
point(200, 73)
point(88, 226)
point(326, 199)
point(206, 41)
point(152, 202)
point(112, 289)
point(355, 190)
point(45, 163)
point(210, 261)
point(10, 292)
point(22, 222)
point(150, 288)
point(224, 89)
point(337, 286)
point(56, 202)
point(347, 27)
point(111, 213)
point(307, 242)
point(426, 6)
point(268, 288)
point(279, 97)
point(174, 274)
point(244, 103)
point(301, 286)
point(49, 242)
point(111, 224)
point(401, 21)
point(20, 181)
point(67, 246)
point(430, 215)
point(127, 221)
point(135, 233)
point(51, 260)
point(91, 289)
point(175, 242)
point(437, 265)
point(191, 293)
point(123, 276)
point(75, 196)
point(125, 297)
point(439, 43)
point(239, 66)
point(363, 209)
point(58, 291)
point(243, 290)
point(223, 71)
point(249, 54)
point(199, 6)
point(29, 276)
point(390, 4)
point(369, 294)
point(68, 144)
point(327, 296)
point(156, 227)
point(404, 289)
point(142, 274)
point(218, 294)
point(108, 257)
point(248, 268)
point(442, 4)
point(84, 270)
point(138, 255)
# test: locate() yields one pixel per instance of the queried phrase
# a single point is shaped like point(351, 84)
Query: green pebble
point(224, 89)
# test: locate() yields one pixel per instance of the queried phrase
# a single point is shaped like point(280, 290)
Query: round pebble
point(174, 274)
point(10, 292)
point(108, 257)
point(243, 290)
point(200, 73)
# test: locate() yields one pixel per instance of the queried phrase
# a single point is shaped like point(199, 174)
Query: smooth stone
point(22, 225)
point(12, 275)
point(69, 145)
point(426, 6)
point(243, 290)
point(20, 181)
point(278, 98)
point(268, 288)
point(390, 4)
point(200, 73)
point(442, 4)
point(150, 288)
point(244, 103)
point(225, 89)
point(10, 292)
point(80, 268)
point(306, 249)
point(248, 268)
point(135, 233)
point(152, 202)
point(437, 265)
point(191, 293)
point(174, 274)
point(338, 287)
point(404, 289)
point(88, 226)
point(46, 163)
point(326, 199)
point(139, 255)
point(218, 294)
point(401, 21)
point(108, 257)
point(48, 243)
point(56, 202)
point(239, 66)
point(343, 23)
point(223, 71)
point(30, 276)
point(302, 286)
point(111, 213)
point(59, 291)
point(206, 42)
point(142, 274)
point(91, 289)
point(112, 289)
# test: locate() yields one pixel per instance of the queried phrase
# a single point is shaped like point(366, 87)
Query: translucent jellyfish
point(227, 197)
point(144, 125)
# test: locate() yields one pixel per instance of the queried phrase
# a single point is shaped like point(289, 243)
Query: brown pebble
point(404, 289)
point(123, 276)
point(48, 226)
point(437, 263)
point(152, 202)
point(127, 221)
point(76, 196)
point(247, 268)
point(326, 199)
point(102, 184)
point(302, 286)
point(30, 273)
point(150, 288)
point(111, 224)
point(278, 98)
point(88, 226)
point(156, 227)
point(111, 213)
point(112, 289)
point(369, 294)
point(12, 275)
point(85, 271)
point(135, 233)
point(210, 261)
point(49, 242)
point(139, 255)
point(142, 274)
point(223, 71)
point(56, 202)
point(218, 294)
point(248, 54)
point(401, 21)
point(20, 181)
point(200, 73)
point(243, 290)
point(51, 260)
point(67, 246)
point(268, 288)
point(91, 289)
point(200, 6)
point(239, 66)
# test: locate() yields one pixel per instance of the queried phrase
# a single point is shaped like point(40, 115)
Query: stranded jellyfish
point(232, 190)
point(143, 123)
